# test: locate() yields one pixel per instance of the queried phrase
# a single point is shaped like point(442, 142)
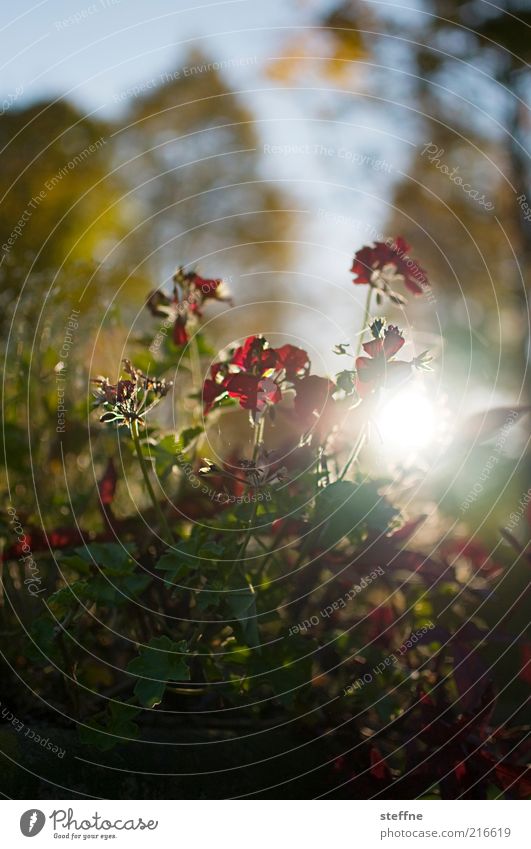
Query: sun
point(407, 420)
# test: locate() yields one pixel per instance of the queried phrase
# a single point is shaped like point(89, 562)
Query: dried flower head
point(130, 399)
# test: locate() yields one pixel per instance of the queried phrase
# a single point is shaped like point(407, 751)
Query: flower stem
point(195, 362)
point(258, 440)
point(145, 473)
point(360, 442)
point(366, 316)
point(354, 454)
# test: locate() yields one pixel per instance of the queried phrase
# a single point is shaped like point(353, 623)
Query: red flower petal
point(107, 485)
point(180, 336)
point(294, 360)
point(313, 396)
point(393, 341)
point(253, 355)
point(374, 347)
point(244, 387)
point(211, 391)
point(369, 370)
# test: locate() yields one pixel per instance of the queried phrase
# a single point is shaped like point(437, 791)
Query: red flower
point(252, 375)
point(255, 356)
point(379, 369)
point(294, 360)
point(380, 265)
point(257, 373)
point(313, 398)
point(253, 393)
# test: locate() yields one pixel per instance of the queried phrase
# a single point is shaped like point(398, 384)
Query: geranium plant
point(284, 583)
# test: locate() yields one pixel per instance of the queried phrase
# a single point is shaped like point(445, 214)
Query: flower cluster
point(255, 374)
point(386, 263)
point(130, 399)
point(190, 292)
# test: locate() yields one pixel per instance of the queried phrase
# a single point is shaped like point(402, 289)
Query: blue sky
point(95, 49)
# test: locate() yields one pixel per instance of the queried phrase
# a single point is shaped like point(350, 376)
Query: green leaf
point(158, 663)
point(345, 507)
point(177, 566)
point(65, 599)
point(187, 436)
point(243, 606)
point(164, 455)
point(115, 590)
point(113, 558)
point(44, 637)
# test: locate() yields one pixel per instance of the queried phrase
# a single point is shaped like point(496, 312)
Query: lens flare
point(407, 421)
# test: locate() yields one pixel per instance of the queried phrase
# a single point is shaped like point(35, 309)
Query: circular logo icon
point(31, 822)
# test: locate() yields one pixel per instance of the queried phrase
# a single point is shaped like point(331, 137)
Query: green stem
point(354, 454)
point(366, 316)
point(143, 465)
point(258, 440)
point(195, 362)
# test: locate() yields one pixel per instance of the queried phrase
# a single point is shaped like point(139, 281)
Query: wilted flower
point(385, 264)
point(128, 400)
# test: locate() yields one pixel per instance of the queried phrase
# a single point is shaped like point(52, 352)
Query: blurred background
point(263, 145)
